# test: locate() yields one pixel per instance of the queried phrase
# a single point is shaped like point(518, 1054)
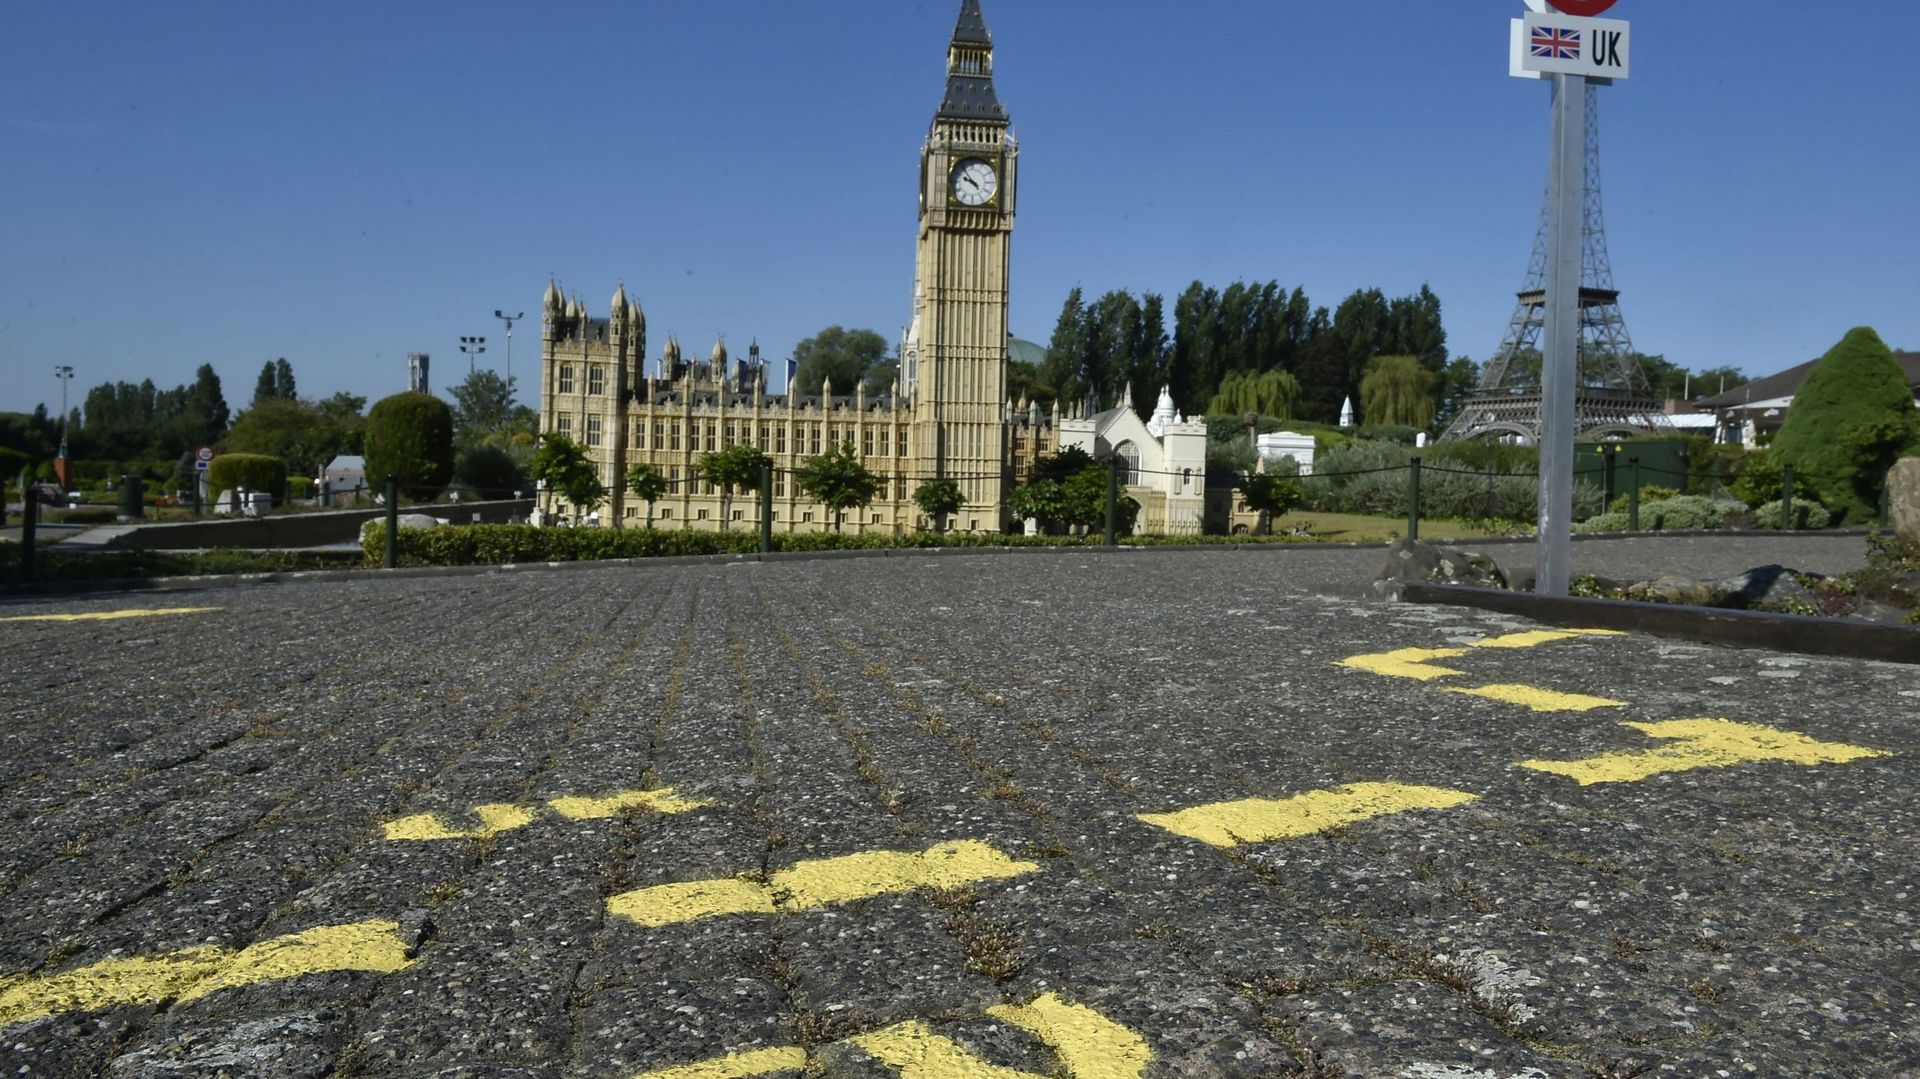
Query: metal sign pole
point(1560, 367)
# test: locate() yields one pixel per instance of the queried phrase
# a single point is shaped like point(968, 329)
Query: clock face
point(974, 182)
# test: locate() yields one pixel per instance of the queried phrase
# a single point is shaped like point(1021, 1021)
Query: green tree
point(1272, 393)
point(275, 382)
point(247, 471)
point(734, 468)
point(837, 480)
point(939, 499)
point(1458, 383)
point(482, 408)
point(1853, 387)
point(1270, 495)
point(488, 471)
point(1067, 350)
point(562, 464)
point(306, 434)
point(836, 354)
point(1397, 391)
point(410, 436)
point(649, 485)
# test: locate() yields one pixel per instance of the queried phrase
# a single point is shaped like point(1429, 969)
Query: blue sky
point(347, 182)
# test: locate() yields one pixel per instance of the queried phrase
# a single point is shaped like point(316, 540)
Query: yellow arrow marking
point(1703, 743)
point(914, 1050)
point(1406, 663)
point(497, 817)
point(195, 972)
point(660, 801)
point(820, 882)
point(1540, 700)
point(108, 616)
point(1090, 1046)
point(754, 1062)
point(1262, 820)
point(1536, 637)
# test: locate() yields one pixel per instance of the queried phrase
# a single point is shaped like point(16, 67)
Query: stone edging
point(1749, 629)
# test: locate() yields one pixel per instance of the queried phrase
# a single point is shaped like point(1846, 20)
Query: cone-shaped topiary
point(410, 435)
point(1856, 383)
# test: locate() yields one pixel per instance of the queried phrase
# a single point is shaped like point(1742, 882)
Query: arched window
point(1128, 455)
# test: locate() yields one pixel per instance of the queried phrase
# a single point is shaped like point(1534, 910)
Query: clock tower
point(954, 361)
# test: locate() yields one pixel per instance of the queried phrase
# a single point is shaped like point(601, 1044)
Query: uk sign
point(1554, 44)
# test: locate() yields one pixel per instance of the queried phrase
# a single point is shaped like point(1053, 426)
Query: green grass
point(1368, 528)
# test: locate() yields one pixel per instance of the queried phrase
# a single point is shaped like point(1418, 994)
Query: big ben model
point(956, 374)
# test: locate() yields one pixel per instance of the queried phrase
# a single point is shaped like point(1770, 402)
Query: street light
point(509, 320)
point(472, 346)
point(64, 373)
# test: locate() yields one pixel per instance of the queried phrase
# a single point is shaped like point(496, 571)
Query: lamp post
point(64, 373)
point(472, 346)
point(509, 320)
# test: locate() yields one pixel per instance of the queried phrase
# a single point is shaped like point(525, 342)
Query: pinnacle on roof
point(970, 93)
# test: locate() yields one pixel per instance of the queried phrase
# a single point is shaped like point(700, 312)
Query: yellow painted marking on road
point(1703, 743)
point(495, 818)
point(660, 801)
point(195, 972)
point(916, 1051)
point(108, 616)
point(1262, 820)
point(1406, 663)
point(1540, 700)
point(1537, 637)
point(500, 817)
point(789, 1058)
point(820, 882)
point(1091, 1045)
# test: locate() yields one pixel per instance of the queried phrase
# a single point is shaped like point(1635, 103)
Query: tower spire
point(970, 93)
point(1611, 392)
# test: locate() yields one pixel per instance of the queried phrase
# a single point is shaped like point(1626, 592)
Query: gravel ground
point(879, 817)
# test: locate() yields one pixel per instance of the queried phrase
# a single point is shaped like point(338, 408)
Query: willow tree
point(1397, 391)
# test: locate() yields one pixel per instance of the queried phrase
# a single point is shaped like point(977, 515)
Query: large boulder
point(1409, 561)
point(1771, 585)
point(1903, 496)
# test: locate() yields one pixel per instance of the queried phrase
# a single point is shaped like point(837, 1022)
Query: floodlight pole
point(472, 346)
point(1560, 366)
point(64, 373)
point(509, 320)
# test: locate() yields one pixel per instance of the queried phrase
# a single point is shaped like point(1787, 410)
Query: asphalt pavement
point(1089, 814)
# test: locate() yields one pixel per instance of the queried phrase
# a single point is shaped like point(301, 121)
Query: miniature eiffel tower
point(1611, 395)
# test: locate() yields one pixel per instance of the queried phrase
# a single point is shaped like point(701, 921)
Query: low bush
point(1371, 477)
point(1680, 513)
point(1648, 494)
point(1602, 522)
point(247, 471)
point(1806, 514)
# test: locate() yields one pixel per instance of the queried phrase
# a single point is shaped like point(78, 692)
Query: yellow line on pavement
point(1540, 700)
point(916, 1051)
point(497, 817)
point(820, 882)
point(1262, 820)
point(790, 1058)
point(1091, 1045)
point(192, 973)
point(1537, 637)
point(107, 616)
point(1703, 743)
point(1406, 663)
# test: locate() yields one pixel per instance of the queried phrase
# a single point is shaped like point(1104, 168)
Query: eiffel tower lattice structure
point(1612, 395)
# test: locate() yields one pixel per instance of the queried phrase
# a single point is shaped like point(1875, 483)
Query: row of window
point(596, 379)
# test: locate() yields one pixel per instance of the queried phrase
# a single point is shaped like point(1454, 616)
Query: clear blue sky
point(342, 183)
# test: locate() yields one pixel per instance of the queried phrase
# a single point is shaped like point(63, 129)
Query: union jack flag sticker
point(1556, 43)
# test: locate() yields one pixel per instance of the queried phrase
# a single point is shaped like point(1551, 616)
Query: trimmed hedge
point(252, 471)
point(1806, 514)
point(410, 435)
point(500, 545)
point(1856, 382)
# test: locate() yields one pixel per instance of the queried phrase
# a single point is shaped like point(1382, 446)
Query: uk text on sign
point(1554, 44)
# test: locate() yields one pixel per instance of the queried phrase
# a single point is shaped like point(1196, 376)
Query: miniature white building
point(1279, 444)
point(1163, 461)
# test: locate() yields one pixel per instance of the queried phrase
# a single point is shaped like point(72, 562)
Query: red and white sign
point(204, 453)
point(1586, 9)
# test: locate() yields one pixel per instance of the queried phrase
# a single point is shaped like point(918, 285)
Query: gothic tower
point(956, 376)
